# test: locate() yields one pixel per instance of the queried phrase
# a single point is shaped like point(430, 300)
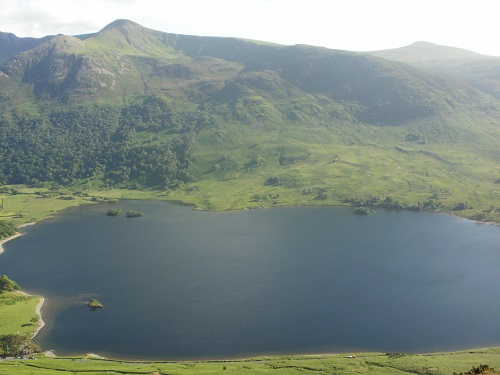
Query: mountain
point(480, 71)
point(125, 58)
point(230, 123)
point(11, 45)
point(426, 52)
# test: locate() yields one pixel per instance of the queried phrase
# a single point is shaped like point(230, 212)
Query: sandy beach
point(8, 239)
point(13, 236)
point(41, 323)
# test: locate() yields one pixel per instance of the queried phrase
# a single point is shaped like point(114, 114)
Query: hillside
point(11, 45)
point(480, 71)
point(426, 52)
point(125, 59)
point(229, 123)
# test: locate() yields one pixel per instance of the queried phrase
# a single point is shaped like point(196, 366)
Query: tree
point(15, 345)
point(362, 211)
point(482, 369)
point(114, 212)
point(8, 285)
point(134, 214)
point(7, 229)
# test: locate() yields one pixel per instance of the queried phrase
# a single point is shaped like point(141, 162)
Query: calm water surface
point(179, 283)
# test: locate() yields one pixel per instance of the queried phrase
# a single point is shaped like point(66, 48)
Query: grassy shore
point(362, 363)
point(37, 204)
point(16, 311)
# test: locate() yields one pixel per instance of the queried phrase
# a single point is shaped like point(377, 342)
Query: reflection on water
point(179, 283)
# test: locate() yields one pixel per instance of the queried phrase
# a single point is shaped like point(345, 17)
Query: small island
point(134, 214)
point(114, 212)
point(94, 304)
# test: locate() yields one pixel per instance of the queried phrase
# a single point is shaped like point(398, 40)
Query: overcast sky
point(355, 25)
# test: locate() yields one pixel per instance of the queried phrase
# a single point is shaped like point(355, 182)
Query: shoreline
point(38, 311)
point(41, 302)
point(8, 239)
point(18, 234)
point(265, 357)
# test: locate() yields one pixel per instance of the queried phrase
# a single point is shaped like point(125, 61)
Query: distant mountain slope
point(233, 123)
point(125, 58)
point(481, 71)
point(427, 52)
point(11, 45)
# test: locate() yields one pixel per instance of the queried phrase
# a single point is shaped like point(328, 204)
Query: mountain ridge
point(232, 123)
point(89, 66)
point(430, 51)
point(480, 71)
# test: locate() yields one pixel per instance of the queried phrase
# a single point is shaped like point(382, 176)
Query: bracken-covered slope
point(245, 123)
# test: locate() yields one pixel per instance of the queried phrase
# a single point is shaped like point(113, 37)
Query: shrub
point(114, 212)
point(7, 229)
point(8, 285)
point(134, 214)
point(362, 211)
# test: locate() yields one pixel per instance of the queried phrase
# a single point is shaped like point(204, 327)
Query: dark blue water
point(179, 283)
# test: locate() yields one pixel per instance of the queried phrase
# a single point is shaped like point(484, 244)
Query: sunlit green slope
point(228, 123)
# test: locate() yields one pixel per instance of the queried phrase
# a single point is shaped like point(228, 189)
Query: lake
point(185, 284)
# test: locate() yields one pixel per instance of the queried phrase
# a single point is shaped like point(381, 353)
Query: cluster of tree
point(362, 211)
point(393, 204)
point(7, 229)
point(114, 212)
point(321, 193)
point(8, 285)
point(462, 206)
point(482, 369)
point(225, 166)
point(99, 140)
point(16, 345)
point(287, 181)
point(134, 214)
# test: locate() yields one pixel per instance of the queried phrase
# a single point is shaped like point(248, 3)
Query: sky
point(354, 25)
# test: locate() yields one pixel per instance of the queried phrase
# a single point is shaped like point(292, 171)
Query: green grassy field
point(333, 167)
point(16, 311)
point(27, 205)
point(363, 363)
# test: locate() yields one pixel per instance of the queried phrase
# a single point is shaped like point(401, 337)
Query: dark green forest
point(101, 141)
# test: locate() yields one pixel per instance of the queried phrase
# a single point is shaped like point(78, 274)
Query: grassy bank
point(16, 312)
point(28, 205)
point(17, 309)
point(32, 205)
point(363, 363)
